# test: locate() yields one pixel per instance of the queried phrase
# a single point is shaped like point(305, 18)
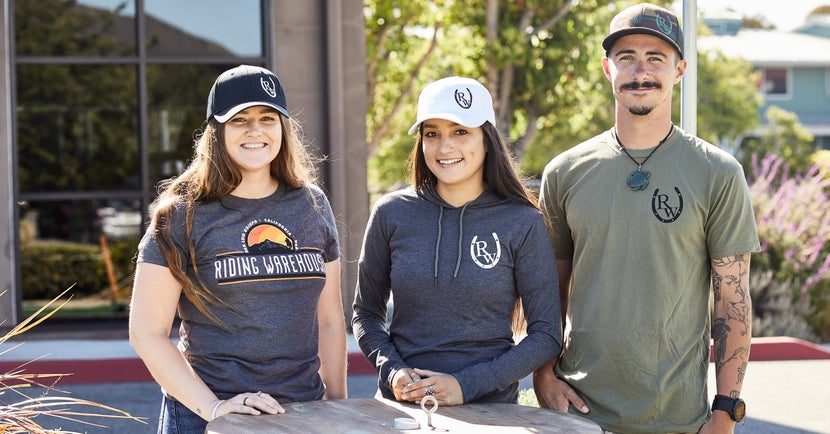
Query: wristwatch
point(735, 407)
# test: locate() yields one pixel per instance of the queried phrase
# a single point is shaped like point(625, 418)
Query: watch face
point(739, 411)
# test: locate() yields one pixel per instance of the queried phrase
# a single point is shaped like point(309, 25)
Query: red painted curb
point(783, 348)
point(124, 370)
point(359, 365)
point(115, 370)
point(80, 371)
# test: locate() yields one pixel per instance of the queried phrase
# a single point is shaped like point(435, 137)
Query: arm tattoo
point(728, 277)
point(735, 268)
point(719, 333)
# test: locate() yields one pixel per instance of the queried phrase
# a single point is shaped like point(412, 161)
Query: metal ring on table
point(434, 402)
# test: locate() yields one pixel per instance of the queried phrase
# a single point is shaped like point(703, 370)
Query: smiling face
point(253, 138)
point(643, 69)
point(455, 155)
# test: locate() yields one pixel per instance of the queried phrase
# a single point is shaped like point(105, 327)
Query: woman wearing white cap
point(457, 251)
point(244, 246)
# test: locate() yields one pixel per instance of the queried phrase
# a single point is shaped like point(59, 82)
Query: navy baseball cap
point(244, 86)
point(645, 19)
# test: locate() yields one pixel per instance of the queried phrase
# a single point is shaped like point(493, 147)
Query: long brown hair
point(501, 176)
point(213, 175)
point(501, 173)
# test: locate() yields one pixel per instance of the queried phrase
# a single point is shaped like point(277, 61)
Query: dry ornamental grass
point(21, 413)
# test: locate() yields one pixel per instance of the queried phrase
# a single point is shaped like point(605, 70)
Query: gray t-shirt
point(637, 341)
point(266, 258)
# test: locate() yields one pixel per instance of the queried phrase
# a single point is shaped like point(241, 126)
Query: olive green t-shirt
point(638, 332)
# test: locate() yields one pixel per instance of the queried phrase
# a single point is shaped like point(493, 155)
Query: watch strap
point(727, 404)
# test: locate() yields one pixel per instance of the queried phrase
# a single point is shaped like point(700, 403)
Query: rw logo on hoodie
point(485, 254)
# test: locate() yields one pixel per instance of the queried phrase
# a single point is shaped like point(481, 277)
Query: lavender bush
point(793, 215)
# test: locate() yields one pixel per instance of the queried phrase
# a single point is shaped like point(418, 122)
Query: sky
point(785, 14)
point(237, 30)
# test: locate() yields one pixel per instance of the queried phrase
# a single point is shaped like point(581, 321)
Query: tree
point(820, 10)
point(728, 98)
point(540, 59)
point(783, 136)
point(530, 54)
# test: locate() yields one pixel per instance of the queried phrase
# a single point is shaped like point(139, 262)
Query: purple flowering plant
point(792, 210)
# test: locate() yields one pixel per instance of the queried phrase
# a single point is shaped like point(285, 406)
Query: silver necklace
point(638, 180)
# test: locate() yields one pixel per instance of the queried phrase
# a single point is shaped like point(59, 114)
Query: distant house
point(794, 66)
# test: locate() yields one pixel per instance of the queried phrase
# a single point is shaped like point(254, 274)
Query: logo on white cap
point(464, 100)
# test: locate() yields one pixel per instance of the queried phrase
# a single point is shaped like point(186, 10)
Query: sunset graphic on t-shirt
point(267, 238)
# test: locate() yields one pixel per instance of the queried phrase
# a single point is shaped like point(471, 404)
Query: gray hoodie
point(454, 274)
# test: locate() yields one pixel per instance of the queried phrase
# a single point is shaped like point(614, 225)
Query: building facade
point(794, 66)
point(100, 99)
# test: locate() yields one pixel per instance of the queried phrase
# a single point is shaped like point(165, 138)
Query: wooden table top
point(376, 415)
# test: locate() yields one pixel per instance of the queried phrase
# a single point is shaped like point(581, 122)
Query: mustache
point(634, 85)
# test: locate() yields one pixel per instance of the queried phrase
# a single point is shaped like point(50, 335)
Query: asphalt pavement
point(783, 396)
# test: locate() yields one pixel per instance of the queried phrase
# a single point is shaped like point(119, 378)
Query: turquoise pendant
point(638, 180)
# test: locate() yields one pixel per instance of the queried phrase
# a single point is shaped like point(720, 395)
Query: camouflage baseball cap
point(645, 19)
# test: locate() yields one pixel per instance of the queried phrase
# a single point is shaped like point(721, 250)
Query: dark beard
point(640, 111)
point(633, 85)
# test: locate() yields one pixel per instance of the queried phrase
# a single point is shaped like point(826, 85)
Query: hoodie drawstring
point(460, 238)
point(459, 254)
point(438, 243)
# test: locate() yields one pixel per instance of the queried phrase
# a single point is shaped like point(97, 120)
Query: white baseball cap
point(458, 99)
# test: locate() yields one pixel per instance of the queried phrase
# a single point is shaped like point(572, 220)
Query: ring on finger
point(258, 393)
point(429, 390)
point(245, 401)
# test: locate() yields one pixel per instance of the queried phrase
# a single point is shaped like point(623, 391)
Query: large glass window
point(99, 122)
point(213, 28)
point(77, 128)
point(69, 28)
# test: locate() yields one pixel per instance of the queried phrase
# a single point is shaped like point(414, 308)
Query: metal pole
point(688, 88)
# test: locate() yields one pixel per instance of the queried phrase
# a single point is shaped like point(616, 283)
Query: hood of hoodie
point(486, 199)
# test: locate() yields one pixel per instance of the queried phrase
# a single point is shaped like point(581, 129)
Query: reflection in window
point(774, 81)
point(86, 243)
point(76, 128)
point(209, 28)
point(64, 28)
point(176, 109)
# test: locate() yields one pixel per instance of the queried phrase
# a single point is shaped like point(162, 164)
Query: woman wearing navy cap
point(243, 245)
point(456, 251)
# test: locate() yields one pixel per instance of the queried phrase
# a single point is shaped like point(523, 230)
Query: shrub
point(793, 215)
point(49, 267)
point(22, 413)
point(774, 313)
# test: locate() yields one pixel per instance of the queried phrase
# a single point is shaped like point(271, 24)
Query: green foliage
point(793, 215)
point(542, 65)
point(774, 312)
point(728, 99)
point(528, 397)
point(48, 268)
point(783, 136)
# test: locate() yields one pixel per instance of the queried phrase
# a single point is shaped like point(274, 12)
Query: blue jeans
point(175, 418)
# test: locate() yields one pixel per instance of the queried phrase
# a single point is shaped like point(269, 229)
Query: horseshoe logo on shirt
point(482, 252)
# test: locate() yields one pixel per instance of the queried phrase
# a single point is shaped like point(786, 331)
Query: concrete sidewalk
point(786, 393)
